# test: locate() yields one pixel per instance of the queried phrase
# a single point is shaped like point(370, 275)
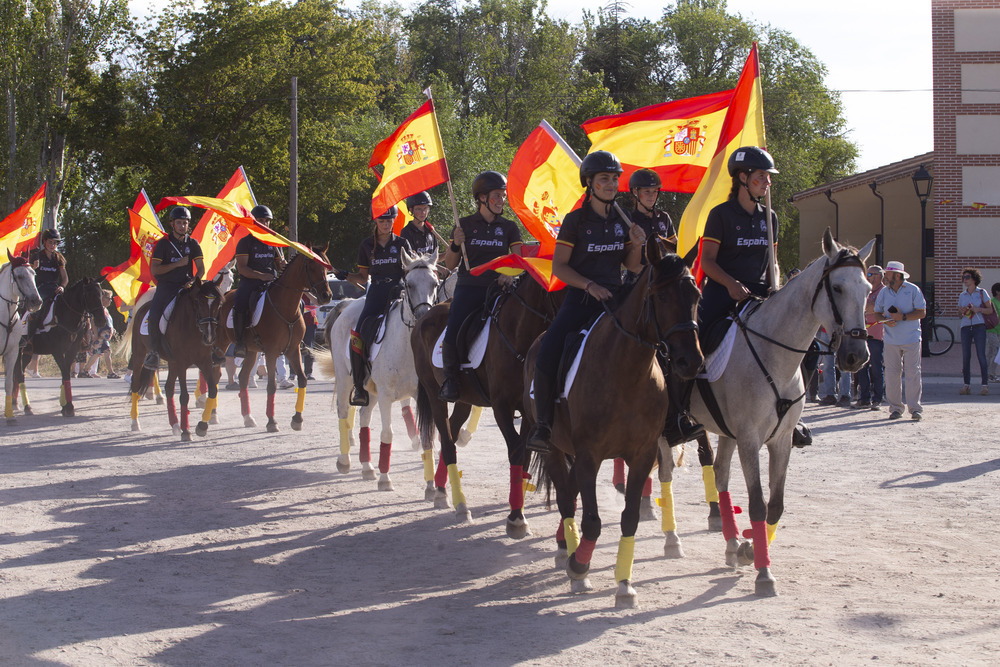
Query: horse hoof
point(429, 492)
point(416, 444)
point(732, 545)
point(441, 501)
point(764, 586)
point(200, 401)
point(13, 422)
point(27, 410)
point(343, 464)
point(562, 557)
point(159, 400)
point(625, 596)
point(672, 546)
point(297, 421)
point(248, 420)
point(463, 515)
point(186, 436)
point(715, 524)
point(384, 483)
point(214, 419)
point(272, 426)
point(201, 429)
point(517, 529)
point(68, 411)
point(176, 428)
point(464, 438)
point(135, 426)
point(367, 472)
point(580, 585)
point(646, 510)
point(744, 554)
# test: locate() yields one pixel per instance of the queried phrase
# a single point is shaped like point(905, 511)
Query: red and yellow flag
point(217, 239)
point(235, 215)
point(536, 261)
point(675, 139)
point(543, 185)
point(19, 230)
point(132, 278)
point(412, 160)
point(743, 126)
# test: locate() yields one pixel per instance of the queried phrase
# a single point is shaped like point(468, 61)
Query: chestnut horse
point(279, 330)
point(194, 320)
point(63, 339)
point(525, 311)
point(617, 406)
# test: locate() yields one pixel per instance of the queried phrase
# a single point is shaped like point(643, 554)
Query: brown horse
point(525, 311)
point(195, 317)
point(617, 407)
point(279, 331)
point(64, 338)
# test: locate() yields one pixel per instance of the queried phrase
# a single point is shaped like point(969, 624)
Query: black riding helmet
point(180, 213)
point(419, 199)
point(643, 178)
point(598, 162)
point(261, 213)
point(487, 182)
point(749, 158)
point(389, 214)
point(51, 234)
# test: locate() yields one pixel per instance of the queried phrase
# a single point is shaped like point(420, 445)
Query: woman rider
point(418, 232)
point(380, 257)
point(50, 275)
point(644, 186)
point(257, 263)
point(593, 244)
point(486, 235)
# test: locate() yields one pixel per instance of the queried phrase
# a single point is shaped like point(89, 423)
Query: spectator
point(993, 337)
point(901, 305)
point(832, 391)
point(973, 303)
point(871, 380)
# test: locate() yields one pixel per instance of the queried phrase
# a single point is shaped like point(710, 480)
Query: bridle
point(408, 301)
point(844, 258)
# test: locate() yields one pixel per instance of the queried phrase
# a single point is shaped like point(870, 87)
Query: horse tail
point(425, 416)
point(538, 469)
point(324, 362)
point(123, 345)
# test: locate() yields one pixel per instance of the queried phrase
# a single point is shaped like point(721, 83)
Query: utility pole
point(293, 180)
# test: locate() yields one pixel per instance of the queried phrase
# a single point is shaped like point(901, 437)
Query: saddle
point(473, 325)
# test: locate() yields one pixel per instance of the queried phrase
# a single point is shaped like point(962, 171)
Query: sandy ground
point(245, 548)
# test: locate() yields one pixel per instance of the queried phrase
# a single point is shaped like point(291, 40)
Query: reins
point(495, 317)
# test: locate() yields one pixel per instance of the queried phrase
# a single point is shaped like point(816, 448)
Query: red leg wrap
point(516, 498)
point(729, 529)
point(365, 456)
point(561, 532)
point(69, 391)
point(270, 405)
point(618, 476)
point(761, 553)
point(184, 417)
point(171, 411)
point(244, 402)
point(585, 551)
point(384, 451)
point(202, 384)
point(411, 424)
point(647, 488)
point(441, 476)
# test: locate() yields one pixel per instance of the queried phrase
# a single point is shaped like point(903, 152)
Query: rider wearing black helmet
point(176, 261)
point(418, 232)
point(380, 258)
point(486, 235)
point(50, 278)
point(593, 244)
point(257, 264)
point(734, 251)
point(644, 185)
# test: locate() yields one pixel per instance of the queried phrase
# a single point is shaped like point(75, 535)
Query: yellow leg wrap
point(300, 401)
point(772, 530)
point(708, 477)
point(345, 435)
point(197, 389)
point(135, 405)
point(474, 416)
point(62, 395)
point(156, 383)
point(209, 406)
point(8, 407)
point(571, 534)
point(24, 393)
point(626, 555)
point(457, 497)
point(668, 523)
point(351, 411)
point(428, 458)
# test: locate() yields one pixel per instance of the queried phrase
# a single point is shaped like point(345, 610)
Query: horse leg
point(65, 363)
point(638, 478)
point(761, 558)
point(365, 443)
point(465, 434)
point(730, 531)
point(345, 420)
point(155, 387)
point(138, 384)
point(200, 389)
point(168, 387)
point(618, 475)
point(450, 456)
point(517, 526)
point(294, 359)
point(668, 523)
point(411, 425)
point(210, 376)
point(763, 533)
point(271, 363)
point(578, 568)
point(185, 414)
point(385, 442)
point(245, 371)
point(706, 459)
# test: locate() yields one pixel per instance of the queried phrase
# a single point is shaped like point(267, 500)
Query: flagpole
point(451, 192)
point(772, 264)
point(551, 131)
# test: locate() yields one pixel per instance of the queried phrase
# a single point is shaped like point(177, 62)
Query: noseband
point(844, 258)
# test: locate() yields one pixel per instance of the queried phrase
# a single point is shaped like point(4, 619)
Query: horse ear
point(866, 252)
point(10, 258)
point(654, 253)
point(218, 279)
point(830, 246)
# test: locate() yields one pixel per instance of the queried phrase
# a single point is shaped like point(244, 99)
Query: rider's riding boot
point(359, 397)
point(540, 439)
point(451, 387)
point(239, 326)
point(152, 360)
point(680, 427)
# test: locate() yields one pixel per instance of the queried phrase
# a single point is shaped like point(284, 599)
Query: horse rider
point(257, 264)
point(418, 231)
point(593, 244)
point(380, 258)
point(485, 235)
point(644, 186)
point(50, 276)
point(176, 261)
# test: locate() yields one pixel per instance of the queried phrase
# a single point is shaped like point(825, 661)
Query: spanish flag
point(533, 259)
point(412, 160)
point(675, 139)
point(234, 216)
point(743, 126)
point(132, 278)
point(218, 239)
point(543, 185)
point(19, 230)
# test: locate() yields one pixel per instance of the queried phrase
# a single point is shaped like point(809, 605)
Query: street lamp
point(922, 181)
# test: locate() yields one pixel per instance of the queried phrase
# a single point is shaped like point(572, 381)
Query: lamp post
point(922, 181)
point(880, 246)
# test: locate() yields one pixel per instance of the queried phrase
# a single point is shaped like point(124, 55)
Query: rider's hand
point(59, 290)
point(636, 235)
point(458, 237)
point(598, 292)
point(738, 292)
point(505, 280)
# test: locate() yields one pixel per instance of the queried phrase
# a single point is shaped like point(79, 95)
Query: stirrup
point(359, 397)
point(449, 390)
point(682, 430)
point(152, 361)
point(540, 440)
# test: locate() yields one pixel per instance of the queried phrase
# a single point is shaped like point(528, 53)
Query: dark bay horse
point(525, 311)
point(279, 331)
point(191, 333)
point(617, 407)
point(65, 337)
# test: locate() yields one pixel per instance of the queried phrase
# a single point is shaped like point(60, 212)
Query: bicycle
point(940, 337)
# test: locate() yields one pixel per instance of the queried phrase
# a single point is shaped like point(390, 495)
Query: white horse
point(760, 394)
point(17, 281)
point(392, 377)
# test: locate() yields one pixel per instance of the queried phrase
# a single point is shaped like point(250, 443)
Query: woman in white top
point(972, 303)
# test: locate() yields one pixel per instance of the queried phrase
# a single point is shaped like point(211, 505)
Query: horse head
point(315, 275)
point(85, 296)
point(206, 302)
point(22, 282)
point(842, 310)
point(420, 282)
point(672, 298)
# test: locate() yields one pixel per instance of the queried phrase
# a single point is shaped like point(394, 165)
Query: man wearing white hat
point(901, 305)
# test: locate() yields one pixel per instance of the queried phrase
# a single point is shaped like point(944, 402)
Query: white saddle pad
point(376, 345)
point(48, 321)
point(257, 310)
point(716, 362)
point(476, 353)
point(144, 327)
point(575, 366)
